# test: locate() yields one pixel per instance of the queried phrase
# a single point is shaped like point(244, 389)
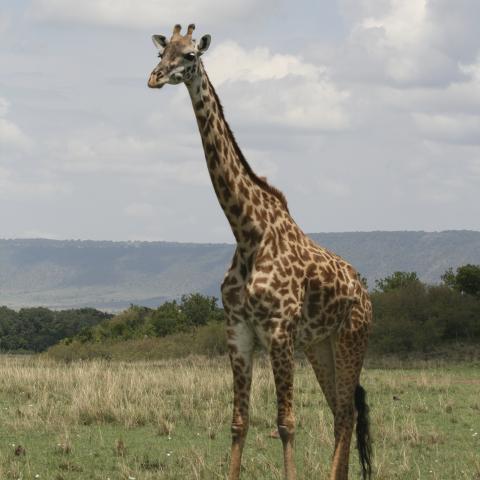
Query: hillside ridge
point(111, 275)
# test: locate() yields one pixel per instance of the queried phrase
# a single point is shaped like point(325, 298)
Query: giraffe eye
point(189, 56)
point(160, 55)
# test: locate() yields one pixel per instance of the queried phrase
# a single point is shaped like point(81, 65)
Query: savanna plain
point(170, 419)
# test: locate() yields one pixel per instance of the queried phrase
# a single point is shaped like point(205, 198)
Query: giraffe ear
point(203, 44)
point(160, 41)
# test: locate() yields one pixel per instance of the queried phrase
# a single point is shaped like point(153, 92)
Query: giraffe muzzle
point(156, 80)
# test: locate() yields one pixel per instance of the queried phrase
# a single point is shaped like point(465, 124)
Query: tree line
point(190, 312)
point(37, 328)
point(412, 316)
point(409, 315)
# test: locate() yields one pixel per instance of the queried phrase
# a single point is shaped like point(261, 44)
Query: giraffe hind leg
point(321, 356)
point(350, 402)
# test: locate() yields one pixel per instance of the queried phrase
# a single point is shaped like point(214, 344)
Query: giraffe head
point(180, 57)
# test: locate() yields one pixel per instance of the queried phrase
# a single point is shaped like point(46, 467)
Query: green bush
point(169, 318)
point(166, 319)
point(208, 340)
point(35, 329)
point(198, 309)
point(465, 280)
point(211, 340)
point(417, 317)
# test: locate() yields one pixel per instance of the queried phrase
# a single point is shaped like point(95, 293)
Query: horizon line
point(6, 239)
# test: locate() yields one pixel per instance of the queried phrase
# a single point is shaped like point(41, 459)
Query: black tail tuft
point(364, 440)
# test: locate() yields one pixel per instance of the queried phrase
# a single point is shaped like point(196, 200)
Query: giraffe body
point(281, 287)
point(296, 292)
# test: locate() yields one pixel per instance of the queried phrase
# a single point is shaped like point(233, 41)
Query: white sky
point(366, 113)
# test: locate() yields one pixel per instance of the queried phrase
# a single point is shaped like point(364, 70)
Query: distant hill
point(111, 275)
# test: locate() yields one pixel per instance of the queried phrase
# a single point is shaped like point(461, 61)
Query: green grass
point(170, 420)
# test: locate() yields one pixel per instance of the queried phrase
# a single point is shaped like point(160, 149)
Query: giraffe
point(281, 287)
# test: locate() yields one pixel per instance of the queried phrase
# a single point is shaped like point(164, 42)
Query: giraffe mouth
point(154, 82)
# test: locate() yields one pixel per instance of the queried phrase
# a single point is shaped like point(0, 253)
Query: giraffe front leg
point(281, 354)
point(240, 346)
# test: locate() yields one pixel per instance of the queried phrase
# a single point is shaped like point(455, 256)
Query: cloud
point(459, 128)
point(230, 62)
point(262, 163)
point(11, 136)
point(277, 89)
point(459, 97)
point(383, 103)
point(14, 184)
point(5, 23)
point(106, 151)
point(472, 70)
point(333, 187)
point(474, 166)
point(3, 107)
point(37, 233)
point(404, 25)
point(455, 28)
point(410, 42)
point(139, 210)
point(147, 13)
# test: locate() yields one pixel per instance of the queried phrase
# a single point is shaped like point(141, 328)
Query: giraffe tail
point(364, 440)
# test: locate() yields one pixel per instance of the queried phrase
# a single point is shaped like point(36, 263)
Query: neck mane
point(249, 201)
point(260, 181)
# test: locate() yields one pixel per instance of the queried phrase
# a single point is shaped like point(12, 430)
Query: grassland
point(170, 420)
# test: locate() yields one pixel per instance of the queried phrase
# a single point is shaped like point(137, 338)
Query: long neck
point(249, 203)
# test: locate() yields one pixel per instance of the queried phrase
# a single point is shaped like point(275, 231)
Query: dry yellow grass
point(170, 419)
